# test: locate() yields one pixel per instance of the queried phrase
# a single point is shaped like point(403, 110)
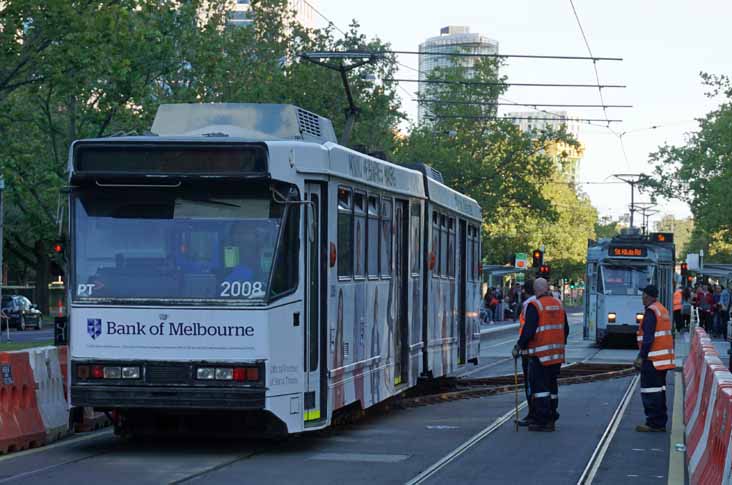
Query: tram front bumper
point(622, 328)
point(168, 397)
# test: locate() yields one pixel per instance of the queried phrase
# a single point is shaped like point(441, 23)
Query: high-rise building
point(452, 39)
point(304, 12)
point(529, 121)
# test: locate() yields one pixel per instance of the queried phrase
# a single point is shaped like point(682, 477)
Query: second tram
point(617, 270)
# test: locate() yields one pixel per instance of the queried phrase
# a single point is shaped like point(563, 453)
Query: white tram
point(617, 270)
point(241, 264)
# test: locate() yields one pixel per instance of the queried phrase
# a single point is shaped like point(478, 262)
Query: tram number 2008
point(241, 288)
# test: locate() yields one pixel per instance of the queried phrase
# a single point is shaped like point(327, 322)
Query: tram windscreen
point(174, 246)
point(625, 280)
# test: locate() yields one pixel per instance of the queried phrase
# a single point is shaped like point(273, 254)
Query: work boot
point(528, 420)
point(644, 428)
point(541, 427)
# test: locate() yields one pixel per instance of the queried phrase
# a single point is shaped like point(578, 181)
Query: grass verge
point(6, 346)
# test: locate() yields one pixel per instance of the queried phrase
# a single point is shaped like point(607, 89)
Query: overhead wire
point(330, 22)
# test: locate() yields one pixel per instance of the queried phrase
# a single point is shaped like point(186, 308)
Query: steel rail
point(588, 474)
point(480, 436)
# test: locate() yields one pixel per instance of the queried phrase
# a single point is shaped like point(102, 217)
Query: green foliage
point(526, 194)
point(71, 70)
point(700, 173)
point(606, 228)
point(682, 230)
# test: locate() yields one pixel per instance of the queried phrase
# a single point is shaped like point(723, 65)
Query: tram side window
point(386, 237)
point(435, 255)
point(469, 255)
point(415, 239)
point(443, 245)
point(372, 246)
point(451, 247)
point(476, 254)
point(345, 233)
point(285, 276)
point(359, 234)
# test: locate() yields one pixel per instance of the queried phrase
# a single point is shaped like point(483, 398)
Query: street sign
point(522, 261)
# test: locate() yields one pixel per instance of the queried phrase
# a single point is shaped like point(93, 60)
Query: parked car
point(21, 313)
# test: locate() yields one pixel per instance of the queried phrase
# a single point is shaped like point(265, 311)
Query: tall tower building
point(529, 121)
point(453, 38)
point(305, 13)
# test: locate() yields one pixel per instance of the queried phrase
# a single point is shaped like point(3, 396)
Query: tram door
point(401, 332)
point(315, 253)
point(461, 282)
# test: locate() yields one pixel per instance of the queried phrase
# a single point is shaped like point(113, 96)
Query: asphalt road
point(386, 447)
point(33, 335)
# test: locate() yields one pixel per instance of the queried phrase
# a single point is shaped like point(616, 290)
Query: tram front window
point(625, 280)
point(176, 246)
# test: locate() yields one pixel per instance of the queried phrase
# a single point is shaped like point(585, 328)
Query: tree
point(93, 69)
point(526, 195)
point(700, 173)
point(682, 230)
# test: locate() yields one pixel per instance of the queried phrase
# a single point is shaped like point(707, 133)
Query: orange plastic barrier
point(21, 425)
point(709, 464)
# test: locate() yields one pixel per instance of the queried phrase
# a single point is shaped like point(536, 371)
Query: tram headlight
point(639, 317)
point(130, 372)
point(611, 317)
point(205, 373)
point(112, 372)
point(224, 374)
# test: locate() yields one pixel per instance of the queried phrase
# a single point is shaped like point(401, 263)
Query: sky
point(664, 45)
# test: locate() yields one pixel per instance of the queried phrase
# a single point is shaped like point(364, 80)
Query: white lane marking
point(588, 475)
point(67, 442)
point(445, 460)
point(498, 344)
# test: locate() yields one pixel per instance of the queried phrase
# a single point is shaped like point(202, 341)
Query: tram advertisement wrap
point(150, 334)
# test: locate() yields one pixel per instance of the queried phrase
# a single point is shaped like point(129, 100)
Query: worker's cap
point(651, 291)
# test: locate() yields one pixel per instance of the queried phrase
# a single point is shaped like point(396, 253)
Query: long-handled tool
point(515, 390)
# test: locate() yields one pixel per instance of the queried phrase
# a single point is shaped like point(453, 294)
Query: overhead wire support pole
point(357, 59)
point(632, 179)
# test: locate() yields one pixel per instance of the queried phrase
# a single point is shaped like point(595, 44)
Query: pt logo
point(94, 327)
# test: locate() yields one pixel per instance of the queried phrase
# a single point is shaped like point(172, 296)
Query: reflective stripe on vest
point(661, 352)
point(648, 390)
point(548, 342)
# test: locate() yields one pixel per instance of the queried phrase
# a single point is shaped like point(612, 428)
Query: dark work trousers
point(525, 368)
point(653, 394)
point(540, 388)
point(678, 321)
point(554, 388)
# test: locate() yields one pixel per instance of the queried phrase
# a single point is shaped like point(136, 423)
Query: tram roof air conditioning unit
point(254, 121)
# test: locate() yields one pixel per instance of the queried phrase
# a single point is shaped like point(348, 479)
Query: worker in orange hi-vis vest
point(655, 358)
point(528, 298)
point(544, 337)
point(678, 305)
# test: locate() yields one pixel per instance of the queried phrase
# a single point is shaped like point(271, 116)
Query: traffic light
point(544, 271)
point(58, 247)
point(684, 272)
point(537, 258)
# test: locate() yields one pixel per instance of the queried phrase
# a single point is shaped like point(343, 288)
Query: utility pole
point(631, 179)
point(344, 62)
point(647, 212)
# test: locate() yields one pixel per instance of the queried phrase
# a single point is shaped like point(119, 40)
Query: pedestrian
point(724, 301)
point(655, 358)
point(529, 297)
point(544, 337)
point(686, 308)
point(677, 305)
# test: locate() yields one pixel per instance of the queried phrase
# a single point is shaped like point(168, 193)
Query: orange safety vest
point(677, 300)
point(522, 315)
point(662, 349)
point(548, 343)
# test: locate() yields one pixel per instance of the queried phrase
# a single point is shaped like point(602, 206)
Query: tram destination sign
point(170, 158)
point(628, 251)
